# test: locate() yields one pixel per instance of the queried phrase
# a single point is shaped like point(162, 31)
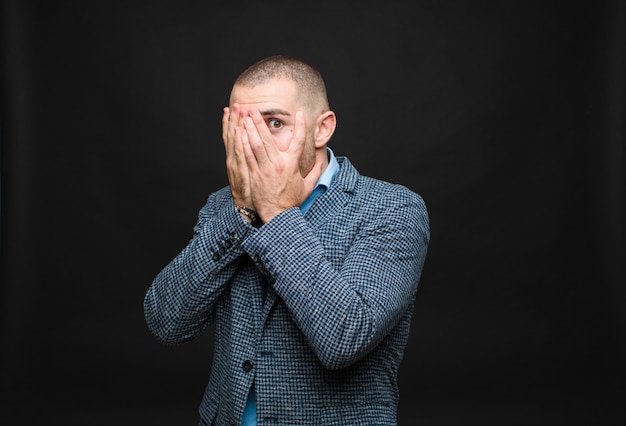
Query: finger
point(229, 122)
point(247, 153)
point(259, 146)
point(265, 134)
point(228, 138)
point(296, 145)
point(240, 141)
point(225, 121)
point(313, 176)
point(228, 135)
point(234, 119)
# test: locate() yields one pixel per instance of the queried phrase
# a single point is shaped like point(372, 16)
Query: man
point(307, 269)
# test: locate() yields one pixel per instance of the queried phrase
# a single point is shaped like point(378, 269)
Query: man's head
point(279, 86)
point(310, 87)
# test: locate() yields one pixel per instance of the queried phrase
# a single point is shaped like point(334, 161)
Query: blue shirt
point(323, 183)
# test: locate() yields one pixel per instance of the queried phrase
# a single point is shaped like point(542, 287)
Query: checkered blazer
point(313, 311)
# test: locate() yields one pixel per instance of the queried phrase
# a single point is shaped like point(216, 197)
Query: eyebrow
point(275, 112)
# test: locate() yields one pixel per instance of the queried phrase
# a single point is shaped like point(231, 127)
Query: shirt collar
point(323, 183)
point(333, 167)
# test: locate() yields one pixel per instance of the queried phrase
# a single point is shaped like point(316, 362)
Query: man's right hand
point(236, 166)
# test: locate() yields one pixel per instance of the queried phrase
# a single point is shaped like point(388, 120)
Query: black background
point(506, 116)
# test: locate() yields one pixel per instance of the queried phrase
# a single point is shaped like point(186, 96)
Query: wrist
point(249, 215)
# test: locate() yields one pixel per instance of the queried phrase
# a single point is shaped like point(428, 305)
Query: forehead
point(274, 92)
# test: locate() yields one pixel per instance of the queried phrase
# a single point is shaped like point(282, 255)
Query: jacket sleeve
point(179, 304)
point(346, 312)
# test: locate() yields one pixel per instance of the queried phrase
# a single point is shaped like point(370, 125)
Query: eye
point(274, 124)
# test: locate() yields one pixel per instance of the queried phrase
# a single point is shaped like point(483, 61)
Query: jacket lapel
point(326, 206)
point(336, 197)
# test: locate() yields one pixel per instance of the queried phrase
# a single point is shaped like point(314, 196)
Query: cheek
point(307, 160)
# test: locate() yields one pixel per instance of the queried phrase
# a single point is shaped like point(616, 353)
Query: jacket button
point(247, 366)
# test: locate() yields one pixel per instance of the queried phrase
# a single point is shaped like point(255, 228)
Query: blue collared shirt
point(323, 183)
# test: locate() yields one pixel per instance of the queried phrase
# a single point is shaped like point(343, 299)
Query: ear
point(324, 128)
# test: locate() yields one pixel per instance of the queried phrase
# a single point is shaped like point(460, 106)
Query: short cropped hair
point(309, 82)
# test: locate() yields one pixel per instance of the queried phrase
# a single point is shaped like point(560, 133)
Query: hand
point(276, 183)
point(236, 166)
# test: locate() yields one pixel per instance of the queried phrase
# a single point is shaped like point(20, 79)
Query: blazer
point(313, 311)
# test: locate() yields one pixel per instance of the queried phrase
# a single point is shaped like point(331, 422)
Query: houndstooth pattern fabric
point(313, 311)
